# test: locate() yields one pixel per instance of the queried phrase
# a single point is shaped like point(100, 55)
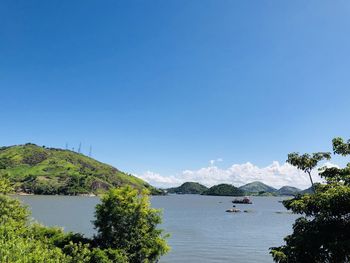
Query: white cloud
point(275, 174)
point(158, 180)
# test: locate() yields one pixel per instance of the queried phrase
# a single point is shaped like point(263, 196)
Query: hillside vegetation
point(224, 190)
point(40, 170)
point(261, 189)
point(288, 190)
point(257, 187)
point(188, 188)
point(307, 191)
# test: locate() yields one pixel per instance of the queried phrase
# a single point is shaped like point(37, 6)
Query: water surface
point(201, 230)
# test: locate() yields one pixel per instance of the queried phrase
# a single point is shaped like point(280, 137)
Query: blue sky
point(166, 86)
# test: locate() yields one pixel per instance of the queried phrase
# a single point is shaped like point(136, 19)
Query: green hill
point(188, 188)
point(257, 187)
point(41, 170)
point(307, 191)
point(288, 190)
point(224, 190)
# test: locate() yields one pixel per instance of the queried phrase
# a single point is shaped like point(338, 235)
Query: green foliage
point(262, 193)
point(224, 190)
point(323, 233)
point(99, 256)
point(78, 252)
point(5, 185)
point(42, 170)
point(256, 188)
point(288, 190)
point(126, 222)
point(12, 211)
point(16, 246)
point(134, 236)
point(56, 236)
point(17, 243)
point(341, 147)
point(108, 256)
point(307, 162)
point(188, 188)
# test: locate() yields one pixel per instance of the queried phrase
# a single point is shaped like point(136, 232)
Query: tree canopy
point(125, 221)
point(134, 235)
point(307, 162)
point(322, 234)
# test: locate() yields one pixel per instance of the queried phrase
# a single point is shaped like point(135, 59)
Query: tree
point(17, 246)
point(322, 234)
point(126, 222)
point(307, 162)
point(17, 242)
point(5, 185)
point(341, 147)
point(12, 211)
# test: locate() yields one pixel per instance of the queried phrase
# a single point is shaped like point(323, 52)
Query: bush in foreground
point(125, 222)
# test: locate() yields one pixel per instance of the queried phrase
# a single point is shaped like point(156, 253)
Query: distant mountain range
point(253, 188)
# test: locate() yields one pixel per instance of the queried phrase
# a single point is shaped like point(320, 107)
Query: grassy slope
point(55, 171)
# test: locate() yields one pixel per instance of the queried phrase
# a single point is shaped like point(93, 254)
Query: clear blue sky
point(169, 85)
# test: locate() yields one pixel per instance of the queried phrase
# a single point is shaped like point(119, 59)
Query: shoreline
point(30, 194)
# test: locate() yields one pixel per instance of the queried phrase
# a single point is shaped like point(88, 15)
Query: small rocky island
point(233, 210)
point(244, 200)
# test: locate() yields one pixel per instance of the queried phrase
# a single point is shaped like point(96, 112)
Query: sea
point(200, 228)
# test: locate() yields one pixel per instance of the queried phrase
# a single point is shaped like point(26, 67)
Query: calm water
point(201, 230)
